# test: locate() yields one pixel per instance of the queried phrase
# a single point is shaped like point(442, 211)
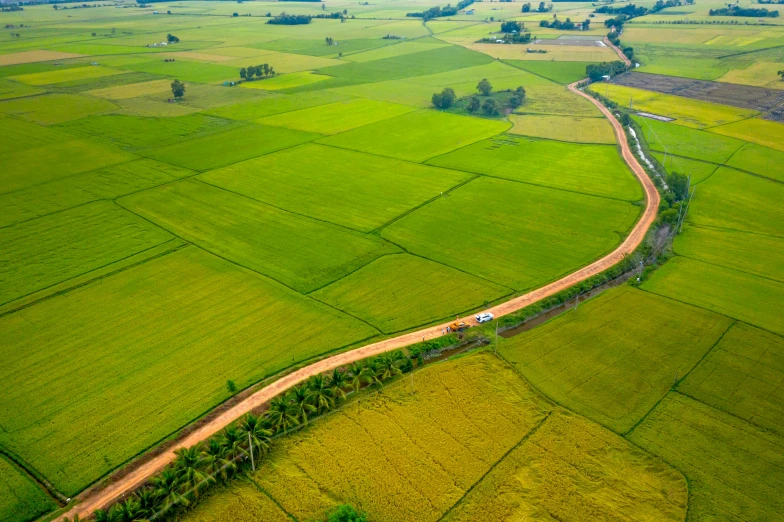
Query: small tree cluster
point(596, 71)
point(444, 99)
point(518, 97)
point(178, 89)
point(287, 19)
point(484, 87)
point(257, 71)
point(172, 39)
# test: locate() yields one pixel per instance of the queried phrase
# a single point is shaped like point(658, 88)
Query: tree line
point(567, 25)
point(596, 71)
point(541, 9)
point(290, 19)
point(734, 10)
point(247, 73)
point(435, 12)
point(243, 445)
point(490, 106)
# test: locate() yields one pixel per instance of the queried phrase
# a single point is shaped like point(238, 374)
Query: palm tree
point(320, 393)
point(259, 437)
point(337, 380)
point(167, 489)
point(147, 501)
point(215, 461)
point(300, 403)
point(281, 415)
point(113, 514)
point(387, 367)
point(188, 465)
point(233, 441)
point(130, 510)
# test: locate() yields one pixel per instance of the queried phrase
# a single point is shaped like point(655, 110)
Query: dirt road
point(97, 499)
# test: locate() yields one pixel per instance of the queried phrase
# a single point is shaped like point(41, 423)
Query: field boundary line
point(714, 227)
point(519, 443)
point(273, 499)
point(35, 475)
point(707, 352)
point(93, 500)
point(729, 267)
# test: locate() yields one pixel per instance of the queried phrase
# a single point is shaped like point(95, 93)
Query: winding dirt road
point(100, 498)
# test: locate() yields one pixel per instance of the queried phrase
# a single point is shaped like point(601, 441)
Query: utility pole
point(252, 462)
point(495, 348)
point(412, 382)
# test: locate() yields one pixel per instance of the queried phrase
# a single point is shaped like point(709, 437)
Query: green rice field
point(163, 254)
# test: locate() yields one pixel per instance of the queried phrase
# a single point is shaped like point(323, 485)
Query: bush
point(490, 107)
point(444, 99)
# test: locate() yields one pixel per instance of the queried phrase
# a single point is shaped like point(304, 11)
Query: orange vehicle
point(458, 327)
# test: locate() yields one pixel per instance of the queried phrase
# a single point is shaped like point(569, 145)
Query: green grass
point(45, 251)
point(394, 293)
point(156, 343)
point(395, 91)
point(599, 360)
point(559, 72)
point(337, 117)
point(515, 234)
point(198, 72)
point(49, 109)
point(417, 136)
point(217, 150)
point(573, 469)
point(10, 90)
point(65, 75)
point(19, 135)
point(683, 141)
point(744, 376)
point(697, 170)
point(590, 169)
point(276, 104)
point(135, 132)
point(759, 160)
point(344, 187)
point(286, 81)
point(735, 470)
point(26, 168)
point(21, 499)
point(201, 96)
point(763, 132)
point(289, 248)
point(106, 183)
point(730, 292)
point(732, 199)
point(394, 68)
point(748, 252)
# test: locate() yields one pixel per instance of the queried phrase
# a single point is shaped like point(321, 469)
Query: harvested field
point(398, 292)
point(590, 169)
point(743, 375)
point(45, 251)
point(348, 188)
point(257, 236)
point(35, 56)
point(417, 136)
point(735, 470)
point(563, 128)
point(744, 96)
point(523, 253)
point(21, 498)
point(573, 469)
point(152, 341)
point(737, 294)
point(598, 360)
point(555, 99)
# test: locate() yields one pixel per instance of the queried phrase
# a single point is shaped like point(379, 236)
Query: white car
point(484, 317)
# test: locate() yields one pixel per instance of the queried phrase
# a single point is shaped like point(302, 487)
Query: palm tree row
point(246, 442)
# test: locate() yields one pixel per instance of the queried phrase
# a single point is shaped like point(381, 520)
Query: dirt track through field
point(100, 498)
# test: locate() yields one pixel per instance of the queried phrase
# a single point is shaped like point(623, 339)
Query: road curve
point(136, 477)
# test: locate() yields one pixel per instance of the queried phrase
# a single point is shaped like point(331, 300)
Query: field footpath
point(100, 498)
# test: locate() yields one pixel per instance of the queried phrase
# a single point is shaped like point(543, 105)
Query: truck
point(458, 327)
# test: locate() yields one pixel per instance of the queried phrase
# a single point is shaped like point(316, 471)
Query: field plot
point(559, 53)
point(591, 169)
point(217, 150)
point(49, 109)
point(153, 108)
point(123, 92)
point(401, 291)
point(318, 47)
point(156, 343)
point(732, 199)
point(348, 188)
point(282, 62)
point(598, 360)
point(10, 90)
point(563, 128)
point(764, 132)
point(760, 74)
point(463, 417)
point(730, 292)
point(697, 171)
point(135, 132)
point(395, 91)
point(287, 81)
point(51, 249)
point(252, 110)
point(34, 56)
point(241, 501)
point(186, 71)
point(521, 252)
point(66, 75)
point(744, 376)
point(417, 136)
point(281, 245)
point(33, 166)
point(573, 469)
point(20, 135)
point(400, 49)
point(759, 160)
point(556, 99)
point(689, 113)
point(21, 499)
point(683, 141)
point(756, 254)
point(106, 183)
point(559, 72)
point(735, 471)
point(495, 71)
point(337, 117)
